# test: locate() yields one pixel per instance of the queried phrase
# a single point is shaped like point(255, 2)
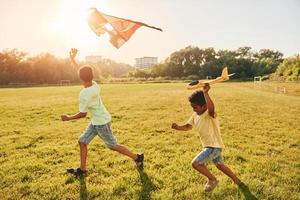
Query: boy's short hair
point(197, 98)
point(86, 73)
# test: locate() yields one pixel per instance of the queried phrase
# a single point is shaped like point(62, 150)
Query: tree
point(10, 65)
point(290, 68)
point(244, 52)
point(267, 53)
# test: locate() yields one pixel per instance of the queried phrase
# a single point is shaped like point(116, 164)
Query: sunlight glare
point(72, 22)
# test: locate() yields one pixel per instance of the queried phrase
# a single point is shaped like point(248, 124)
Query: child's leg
point(203, 157)
point(125, 151)
point(83, 155)
point(222, 167)
point(105, 133)
point(203, 170)
point(83, 141)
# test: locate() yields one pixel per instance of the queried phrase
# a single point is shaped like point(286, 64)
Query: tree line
point(194, 63)
point(16, 67)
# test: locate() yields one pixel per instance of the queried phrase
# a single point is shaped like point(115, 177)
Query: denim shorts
point(209, 154)
point(103, 131)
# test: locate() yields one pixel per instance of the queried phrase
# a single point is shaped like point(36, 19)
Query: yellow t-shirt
point(208, 129)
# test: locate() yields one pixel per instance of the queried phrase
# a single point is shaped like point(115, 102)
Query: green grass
point(291, 88)
point(260, 130)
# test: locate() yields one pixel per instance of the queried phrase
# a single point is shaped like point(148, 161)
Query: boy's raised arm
point(209, 102)
point(72, 55)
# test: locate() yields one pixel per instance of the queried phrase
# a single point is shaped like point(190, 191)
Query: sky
point(55, 26)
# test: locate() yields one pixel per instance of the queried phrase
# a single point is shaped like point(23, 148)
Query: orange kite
point(122, 30)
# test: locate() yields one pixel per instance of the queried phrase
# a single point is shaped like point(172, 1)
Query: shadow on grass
point(83, 191)
point(147, 186)
point(244, 189)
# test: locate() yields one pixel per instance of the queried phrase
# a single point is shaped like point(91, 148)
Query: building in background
point(93, 59)
point(146, 62)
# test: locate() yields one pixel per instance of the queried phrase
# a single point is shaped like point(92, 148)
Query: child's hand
point(174, 126)
point(206, 88)
point(73, 53)
point(65, 117)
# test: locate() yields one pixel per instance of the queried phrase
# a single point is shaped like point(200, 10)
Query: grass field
point(260, 129)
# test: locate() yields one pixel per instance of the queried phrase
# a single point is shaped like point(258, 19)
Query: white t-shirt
point(89, 100)
point(208, 129)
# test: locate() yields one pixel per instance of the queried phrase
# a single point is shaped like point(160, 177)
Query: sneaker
point(139, 161)
point(77, 172)
point(210, 185)
point(243, 187)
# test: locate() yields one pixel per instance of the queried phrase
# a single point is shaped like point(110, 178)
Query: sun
point(72, 20)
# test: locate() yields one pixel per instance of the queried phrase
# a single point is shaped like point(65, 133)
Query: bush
point(193, 77)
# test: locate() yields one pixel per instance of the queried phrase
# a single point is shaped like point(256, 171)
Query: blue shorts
point(209, 154)
point(103, 131)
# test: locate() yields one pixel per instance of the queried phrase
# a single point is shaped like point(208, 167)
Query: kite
point(122, 29)
point(199, 84)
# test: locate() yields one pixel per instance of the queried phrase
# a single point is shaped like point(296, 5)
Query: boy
point(204, 119)
point(89, 100)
